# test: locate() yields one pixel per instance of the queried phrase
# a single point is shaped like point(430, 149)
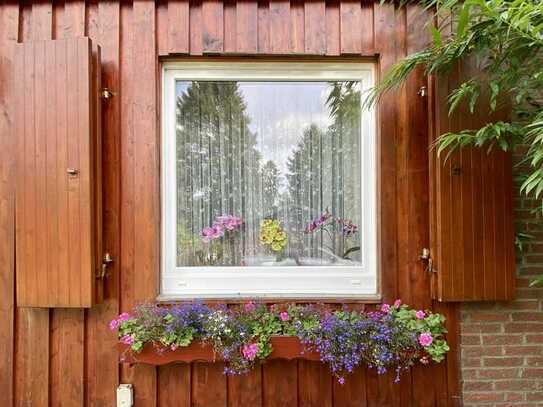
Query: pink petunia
point(426, 339)
point(385, 308)
point(249, 351)
point(250, 306)
point(397, 303)
point(113, 324)
point(284, 316)
point(420, 314)
point(127, 339)
point(208, 234)
point(125, 316)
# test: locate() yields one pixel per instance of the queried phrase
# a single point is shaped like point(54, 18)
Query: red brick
point(528, 316)
point(499, 373)
point(527, 327)
point(481, 328)
point(470, 339)
point(532, 373)
point(530, 305)
point(537, 361)
point(483, 397)
point(535, 396)
point(477, 386)
point(516, 385)
point(534, 339)
point(502, 339)
point(523, 350)
point(503, 362)
point(489, 317)
point(478, 351)
point(514, 397)
point(471, 362)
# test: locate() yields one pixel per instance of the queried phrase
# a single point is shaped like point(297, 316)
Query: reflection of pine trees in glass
point(323, 172)
point(217, 167)
point(220, 171)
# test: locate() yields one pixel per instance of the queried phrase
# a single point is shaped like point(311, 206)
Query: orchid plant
point(334, 226)
point(393, 337)
point(224, 229)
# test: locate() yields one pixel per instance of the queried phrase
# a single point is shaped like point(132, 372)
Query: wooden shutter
point(472, 234)
point(58, 180)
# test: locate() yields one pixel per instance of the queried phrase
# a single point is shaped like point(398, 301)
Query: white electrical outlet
point(125, 395)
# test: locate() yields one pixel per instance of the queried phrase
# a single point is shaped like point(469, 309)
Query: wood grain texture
point(133, 35)
point(45, 278)
point(9, 31)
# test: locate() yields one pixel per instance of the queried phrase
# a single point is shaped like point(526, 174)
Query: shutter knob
point(72, 171)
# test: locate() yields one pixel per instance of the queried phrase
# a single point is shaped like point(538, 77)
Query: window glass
point(268, 173)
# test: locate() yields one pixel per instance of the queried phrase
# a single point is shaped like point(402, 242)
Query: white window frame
point(342, 282)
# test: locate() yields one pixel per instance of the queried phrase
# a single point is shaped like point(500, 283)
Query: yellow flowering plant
point(272, 235)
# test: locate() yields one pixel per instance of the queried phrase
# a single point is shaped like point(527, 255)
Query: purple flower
point(220, 225)
point(113, 324)
point(397, 303)
point(208, 234)
point(426, 339)
point(127, 340)
point(349, 228)
point(125, 316)
point(385, 308)
point(249, 351)
point(284, 316)
point(420, 314)
point(318, 222)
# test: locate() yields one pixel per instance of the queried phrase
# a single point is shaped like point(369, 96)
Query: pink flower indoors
point(284, 316)
point(426, 339)
point(249, 351)
point(420, 314)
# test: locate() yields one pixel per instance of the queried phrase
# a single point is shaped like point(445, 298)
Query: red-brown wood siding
point(67, 357)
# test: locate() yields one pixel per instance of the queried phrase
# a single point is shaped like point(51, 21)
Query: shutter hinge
point(422, 91)
point(106, 93)
point(427, 258)
point(106, 261)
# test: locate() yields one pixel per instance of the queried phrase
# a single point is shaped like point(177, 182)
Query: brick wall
point(502, 343)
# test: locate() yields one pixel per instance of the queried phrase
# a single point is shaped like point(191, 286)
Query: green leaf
point(436, 36)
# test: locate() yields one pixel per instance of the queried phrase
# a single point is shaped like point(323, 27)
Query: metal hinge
point(427, 258)
point(422, 91)
point(106, 261)
point(106, 93)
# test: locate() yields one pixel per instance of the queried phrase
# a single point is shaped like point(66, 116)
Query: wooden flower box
point(284, 347)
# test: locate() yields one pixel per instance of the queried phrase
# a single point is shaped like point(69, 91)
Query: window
point(268, 181)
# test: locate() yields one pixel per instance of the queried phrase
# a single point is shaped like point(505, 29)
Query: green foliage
point(504, 40)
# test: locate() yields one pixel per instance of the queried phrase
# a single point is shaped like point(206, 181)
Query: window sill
point(284, 347)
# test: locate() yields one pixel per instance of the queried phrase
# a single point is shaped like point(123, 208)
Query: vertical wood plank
point(351, 21)
point(280, 384)
point(386, 164)
point(247, 27)
point(279, 25)
point(102, 366)
point(368, 31)
point(32, 357)
point(314, 384)
point(67, 358)
point(264, 37)
point(9, 29)
point(178, 27)
point(162, 28)
point(213, 26)
point(315, 27)
point(246, 390)
point(353, 392)
point(333, 28)
point(208, 385)
point(174, 386)
point(297, 23)
point(196, 28)
point(230, 29)
point(146, 175)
